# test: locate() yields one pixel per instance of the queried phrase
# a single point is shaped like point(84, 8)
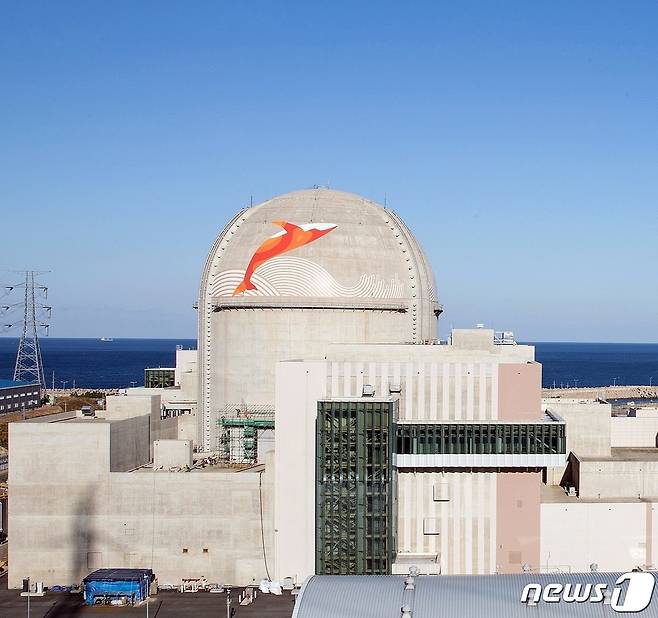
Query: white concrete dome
point(295, 273)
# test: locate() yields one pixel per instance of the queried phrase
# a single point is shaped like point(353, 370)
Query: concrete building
point(638, 429)
point(470, 406)
point(329, 267)
point(101, 504)
point(322, 428)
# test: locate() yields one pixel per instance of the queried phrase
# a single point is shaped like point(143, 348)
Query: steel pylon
point(29, 365)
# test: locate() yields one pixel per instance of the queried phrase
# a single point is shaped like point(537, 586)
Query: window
point(475, 438)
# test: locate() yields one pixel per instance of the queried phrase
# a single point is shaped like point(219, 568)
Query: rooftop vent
point(504, 337)
point(368, 390)
point(394, 388)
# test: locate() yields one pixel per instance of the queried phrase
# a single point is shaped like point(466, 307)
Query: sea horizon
point(89, 362)
point(519, 342)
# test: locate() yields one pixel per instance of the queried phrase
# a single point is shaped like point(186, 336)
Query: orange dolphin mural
point(291, 237)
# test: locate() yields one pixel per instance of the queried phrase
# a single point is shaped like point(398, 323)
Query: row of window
point(480, 439)
point(16, 395)
point(16, 406)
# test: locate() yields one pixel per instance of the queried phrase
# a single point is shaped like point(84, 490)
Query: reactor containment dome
point(287, 277)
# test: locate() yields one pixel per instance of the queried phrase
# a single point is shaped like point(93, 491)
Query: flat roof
point(362, 398)
point(218, 467)
point(554, 494)
point(71, 417)
point(626, 454)
point(15, 383)
point(545, 418)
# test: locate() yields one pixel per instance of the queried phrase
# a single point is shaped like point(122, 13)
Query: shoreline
point(603, 392)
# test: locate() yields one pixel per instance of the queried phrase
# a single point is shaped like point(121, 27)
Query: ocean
point(93, 363)
point(96, 364)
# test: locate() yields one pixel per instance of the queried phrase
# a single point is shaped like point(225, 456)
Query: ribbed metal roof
point(462, 596)
point(15, 383)
point(350, 596)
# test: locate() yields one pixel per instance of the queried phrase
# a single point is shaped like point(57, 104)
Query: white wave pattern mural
point(290, 276)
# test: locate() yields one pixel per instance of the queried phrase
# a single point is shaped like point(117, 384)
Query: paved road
point(165, 605)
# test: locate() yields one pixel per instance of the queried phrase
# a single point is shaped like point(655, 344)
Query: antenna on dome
point(385, 200)
point(251, 201)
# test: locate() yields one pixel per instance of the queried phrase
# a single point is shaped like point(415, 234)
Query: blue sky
point(517, 139)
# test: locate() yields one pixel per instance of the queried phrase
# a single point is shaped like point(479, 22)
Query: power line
point(29, 365)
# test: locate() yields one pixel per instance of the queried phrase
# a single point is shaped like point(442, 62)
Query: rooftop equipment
point(117, 586)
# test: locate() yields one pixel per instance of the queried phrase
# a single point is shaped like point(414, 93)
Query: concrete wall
point(477, 522)
point(436, 382)
point(185, 375)
point(472, 338)
point(142, 520)
point(449, 514)
point(130, 443)
point(298, 388)
point(124, 406)
point(587, 425)
point(187, 427)
point(164, 429)
point(519, 391)
point(618, 479)
point(517, 520)
point(587, 430)
point(243, 366)
point(70, 515)
point(239, 347)
point(617, 536)
point(634, 432)
point(171, 453)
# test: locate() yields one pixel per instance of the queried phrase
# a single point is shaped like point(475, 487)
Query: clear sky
point(519, 141)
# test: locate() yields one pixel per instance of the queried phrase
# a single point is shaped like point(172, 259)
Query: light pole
point(63, 383)
point(146, 577)
point(228, 603)
point(28, 597)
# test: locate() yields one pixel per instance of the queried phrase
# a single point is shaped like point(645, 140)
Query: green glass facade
point(159, 377)
point(480, 438)
point(355, 493)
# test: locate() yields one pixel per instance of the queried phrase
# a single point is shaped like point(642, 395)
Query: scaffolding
point(240, 428)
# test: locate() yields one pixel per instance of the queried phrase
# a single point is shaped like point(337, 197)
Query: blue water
point(598, 364)
point(96, 364)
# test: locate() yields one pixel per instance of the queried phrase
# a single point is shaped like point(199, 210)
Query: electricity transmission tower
point(35, 316)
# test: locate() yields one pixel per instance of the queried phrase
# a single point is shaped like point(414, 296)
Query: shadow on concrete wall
point(83, 539)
